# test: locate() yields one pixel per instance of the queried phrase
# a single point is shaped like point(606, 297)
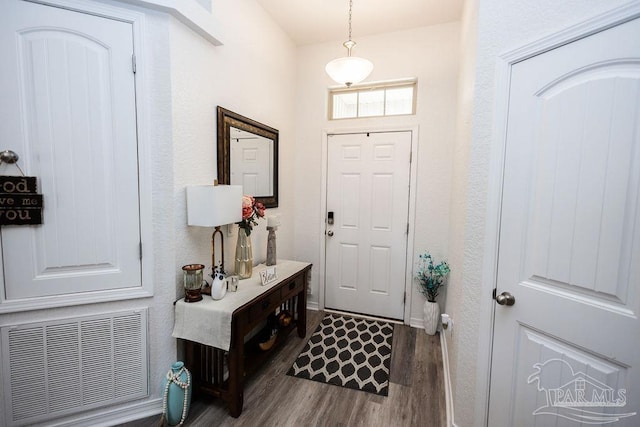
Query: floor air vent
point(60, 367)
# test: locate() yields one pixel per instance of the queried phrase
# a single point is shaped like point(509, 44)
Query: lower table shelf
point(220, 373)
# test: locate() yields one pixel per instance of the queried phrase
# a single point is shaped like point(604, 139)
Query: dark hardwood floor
point(271, 398)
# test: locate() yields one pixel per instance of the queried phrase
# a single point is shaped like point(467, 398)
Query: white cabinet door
point(368, 193)
point(68, 109)
point(568, 351)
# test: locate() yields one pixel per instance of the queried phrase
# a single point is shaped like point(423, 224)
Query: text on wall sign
point(20, 203)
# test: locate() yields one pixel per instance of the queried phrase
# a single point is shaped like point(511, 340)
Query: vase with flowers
point(251, 212)
point(430, 279)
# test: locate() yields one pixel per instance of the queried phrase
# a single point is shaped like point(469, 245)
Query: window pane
point(371, 103)
point(345, 105)
point(399, 101)
point(379, 100)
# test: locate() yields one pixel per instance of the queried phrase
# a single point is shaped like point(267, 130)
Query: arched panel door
point(566, 352)
point(68, 110)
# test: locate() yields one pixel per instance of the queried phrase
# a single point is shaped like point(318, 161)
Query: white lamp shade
point(213, 205)
point(349, 69)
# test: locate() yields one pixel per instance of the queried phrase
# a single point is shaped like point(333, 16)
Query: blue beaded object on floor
point(176, 394)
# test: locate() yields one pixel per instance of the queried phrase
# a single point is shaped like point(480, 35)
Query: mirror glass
point(248, 156)
point(251, 163)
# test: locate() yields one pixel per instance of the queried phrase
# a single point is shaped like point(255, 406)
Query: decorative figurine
point(272, 225)
point(219, 285)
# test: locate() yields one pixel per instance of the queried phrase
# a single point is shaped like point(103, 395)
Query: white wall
point(186, 78)
point(250, 74)
point(457, 300)
point(431, 55)
point(501, 26)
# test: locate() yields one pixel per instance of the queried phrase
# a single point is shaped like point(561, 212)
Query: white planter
point(431, 317)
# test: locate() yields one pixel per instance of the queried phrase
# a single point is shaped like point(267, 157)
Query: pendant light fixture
point(349, 69)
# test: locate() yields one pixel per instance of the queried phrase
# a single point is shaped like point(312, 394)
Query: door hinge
point(404, 298)
point(140, 249)
point(410, 157)
point(407, 228)
point(133, 62)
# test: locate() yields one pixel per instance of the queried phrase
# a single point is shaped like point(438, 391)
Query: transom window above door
point(377, 100)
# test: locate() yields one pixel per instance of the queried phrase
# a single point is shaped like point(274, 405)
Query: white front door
point(368, 197)
point(568, 351)
point(68, 110)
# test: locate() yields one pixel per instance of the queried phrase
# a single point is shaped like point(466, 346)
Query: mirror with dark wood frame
point(248, 156)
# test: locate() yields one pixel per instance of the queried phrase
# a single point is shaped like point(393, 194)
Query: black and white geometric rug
point(348, 352)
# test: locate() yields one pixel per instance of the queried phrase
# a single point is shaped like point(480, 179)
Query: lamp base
point(193, 295)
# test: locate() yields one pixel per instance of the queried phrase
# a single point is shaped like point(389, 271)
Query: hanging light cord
point(350, 9)
point(349, 44)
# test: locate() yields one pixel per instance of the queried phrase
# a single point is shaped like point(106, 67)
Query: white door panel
point(252, 162)
point(368, 192)
point(68, 110)
point(569, 247)
point(252, 165)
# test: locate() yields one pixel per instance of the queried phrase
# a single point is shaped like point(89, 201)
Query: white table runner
point(209, 321)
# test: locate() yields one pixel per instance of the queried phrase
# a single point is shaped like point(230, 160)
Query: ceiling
point(318, 21)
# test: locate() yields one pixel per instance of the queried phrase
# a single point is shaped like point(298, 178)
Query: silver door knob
point(8, 156)
point(330, 233)
point(505, 298)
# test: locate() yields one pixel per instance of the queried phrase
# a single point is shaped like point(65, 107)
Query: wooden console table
point(221, 372)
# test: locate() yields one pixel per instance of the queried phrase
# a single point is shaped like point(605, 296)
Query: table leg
point(302, 311)
point(236, 372)
point(193, 364)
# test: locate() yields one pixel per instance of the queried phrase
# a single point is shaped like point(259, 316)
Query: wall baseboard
point(114, 416)
point(312, 305)
point(416, 322)
point(448, 392)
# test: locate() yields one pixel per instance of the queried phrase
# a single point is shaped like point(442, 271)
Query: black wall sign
point(19, 202)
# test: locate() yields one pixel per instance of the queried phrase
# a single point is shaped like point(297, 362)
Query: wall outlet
point(447, 322)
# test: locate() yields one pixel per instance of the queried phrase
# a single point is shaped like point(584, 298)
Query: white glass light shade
point(213, 205)
point(349, 69)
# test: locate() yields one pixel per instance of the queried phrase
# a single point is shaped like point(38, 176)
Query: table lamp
point(213, 206)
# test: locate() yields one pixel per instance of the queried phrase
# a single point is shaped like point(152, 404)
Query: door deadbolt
point(505, 298)
point(330, 217)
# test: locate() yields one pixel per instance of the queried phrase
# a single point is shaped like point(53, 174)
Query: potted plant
point(430, 279)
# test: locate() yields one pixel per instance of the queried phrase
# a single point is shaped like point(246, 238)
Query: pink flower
point(247, 211)
point(260, 209)
point(247, 202)
point(251, 211)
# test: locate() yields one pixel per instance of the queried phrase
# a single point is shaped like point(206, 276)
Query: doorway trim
point(504, 63)
point(412, 209)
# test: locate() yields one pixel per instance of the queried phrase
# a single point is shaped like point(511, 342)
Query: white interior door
point(68, 109)
point(368, 194)
point(568, 351)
